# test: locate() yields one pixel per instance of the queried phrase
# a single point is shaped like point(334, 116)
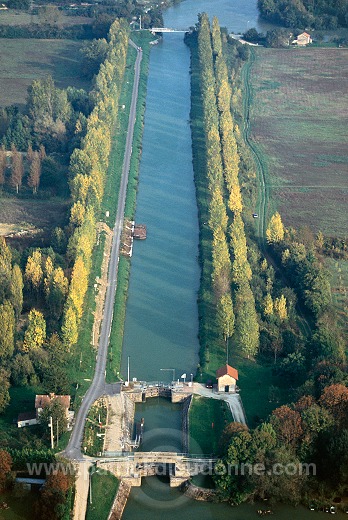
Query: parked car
point(255, 215)
point(209, 384)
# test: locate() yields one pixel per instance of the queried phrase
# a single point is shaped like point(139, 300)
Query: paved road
point(98, 386)
point(234, 401)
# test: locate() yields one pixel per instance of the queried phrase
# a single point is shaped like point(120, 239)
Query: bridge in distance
point(167, 30)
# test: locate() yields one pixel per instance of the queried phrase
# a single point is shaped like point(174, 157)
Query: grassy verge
point(207, 420)
point(102, 493)
point(116, 336)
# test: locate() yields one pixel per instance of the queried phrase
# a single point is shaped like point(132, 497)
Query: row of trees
point(18, 168)
point(88, 167)
point(229, 248)
point(54, 281)
point(321, 14)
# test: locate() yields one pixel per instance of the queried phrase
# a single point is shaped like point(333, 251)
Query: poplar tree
point(33, 272)
point(7, 330)
point(3, 163)
point(35, 334)
point(17, 169)
point(247, 327)
point(34, 173)
point(225, 315)
point(17, 290)
point(275, 229)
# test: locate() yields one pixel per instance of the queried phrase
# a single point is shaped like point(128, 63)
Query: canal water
point(162, 321)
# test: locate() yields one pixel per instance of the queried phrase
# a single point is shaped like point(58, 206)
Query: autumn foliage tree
point(287, 424)
point(5, 468)
point(34, 173)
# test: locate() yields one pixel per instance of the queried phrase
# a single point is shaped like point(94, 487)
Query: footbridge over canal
point(167, 30)
point(132, 466)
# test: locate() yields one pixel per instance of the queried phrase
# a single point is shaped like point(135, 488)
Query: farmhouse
point(41, 402)
point(303, 39)
point(227, 378)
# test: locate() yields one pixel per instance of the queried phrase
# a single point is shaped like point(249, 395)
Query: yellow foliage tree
point(275, 230)
point(280, 307)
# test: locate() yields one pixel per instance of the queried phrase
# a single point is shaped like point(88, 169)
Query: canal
point(162, 321)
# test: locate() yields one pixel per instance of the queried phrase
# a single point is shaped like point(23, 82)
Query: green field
point(23, 60)
point(298, 122)
point(207, 420)
point(103, 490)
point(14, 17)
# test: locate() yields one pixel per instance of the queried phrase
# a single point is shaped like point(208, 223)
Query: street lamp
point(169, 369)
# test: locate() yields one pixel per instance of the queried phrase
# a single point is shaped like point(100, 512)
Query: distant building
point(227, 378)
point(303, 39)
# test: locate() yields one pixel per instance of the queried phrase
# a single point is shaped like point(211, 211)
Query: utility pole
point(52, 438)
point(140, 22)
point(57, 432)
point(128, 371)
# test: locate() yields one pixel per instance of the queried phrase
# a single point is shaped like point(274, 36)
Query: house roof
point(227, 370)
point(26, 416)
point(303, 35)
point(41, 401)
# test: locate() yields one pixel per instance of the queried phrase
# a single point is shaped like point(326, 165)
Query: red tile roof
point(41, 401)
point(227, 369)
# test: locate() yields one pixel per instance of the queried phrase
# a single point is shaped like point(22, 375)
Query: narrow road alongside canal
point(73, 450)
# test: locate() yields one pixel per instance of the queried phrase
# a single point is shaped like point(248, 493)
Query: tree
point(275, 229)
point(335, 399)
point(69, 326)
point(35, 334)
point(33, 271)
point(17, 290)
point(4, 389)
point(5, 468)
point(22, 370)
point(280, 307)
point(247, 326)
point(35, 173)
point(287, 424)
point(30, 153)
point(7, 330)
point(3, 164)
point(225, 316)
point(58, 413)
point(17, 169)
point(56, 291)
point(268, 305)
point(54, 503)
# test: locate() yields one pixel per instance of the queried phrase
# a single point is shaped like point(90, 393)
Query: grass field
point(22, 61)
point(14, 17)
point(207, 420)
point(339, 285)
point(103, 488)
point(298, 120)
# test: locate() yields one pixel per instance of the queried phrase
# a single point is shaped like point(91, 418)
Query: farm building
point(41, 402)
point(227, 378)
point(303, 39)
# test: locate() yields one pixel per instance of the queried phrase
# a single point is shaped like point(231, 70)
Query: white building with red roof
point(227, 378)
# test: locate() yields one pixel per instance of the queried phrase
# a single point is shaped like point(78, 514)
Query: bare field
point(24, 215)
point(23, 60)
point(298, 119)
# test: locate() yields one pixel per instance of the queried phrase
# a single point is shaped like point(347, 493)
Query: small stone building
point(227, 378)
